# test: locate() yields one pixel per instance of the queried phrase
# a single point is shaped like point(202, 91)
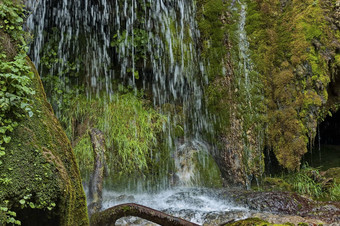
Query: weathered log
point(96, 181)
point(111, 215)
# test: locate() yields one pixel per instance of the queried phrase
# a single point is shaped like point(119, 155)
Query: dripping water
point(152, 49)
point(250, 94)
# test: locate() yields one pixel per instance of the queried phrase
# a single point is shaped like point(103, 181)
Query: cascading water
point(94, 43)
point(144, 44)
point(61, 31)
point(249, 94)
point(165, 34)
point(245, 64)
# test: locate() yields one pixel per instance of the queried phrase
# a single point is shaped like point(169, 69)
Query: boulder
point(43, 184)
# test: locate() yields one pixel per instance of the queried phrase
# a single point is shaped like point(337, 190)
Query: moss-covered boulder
point(248, 221)
point(40, 179)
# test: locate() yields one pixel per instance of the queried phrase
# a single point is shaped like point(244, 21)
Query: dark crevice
point(329, 130)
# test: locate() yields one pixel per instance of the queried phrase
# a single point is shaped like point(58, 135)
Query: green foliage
point(308, 181)
point(15, 74)
point(8, 216)
point(303, 182)
point(11, 20)
point(139, 42)
point(15, 93)
point(334, 192)
point(131, 129)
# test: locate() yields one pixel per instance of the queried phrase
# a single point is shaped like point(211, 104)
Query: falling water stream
point(145, 44)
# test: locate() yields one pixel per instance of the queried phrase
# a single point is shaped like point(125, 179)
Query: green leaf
point(32, 205)
point(22, 201)
point(23, 105)
point(7, 139)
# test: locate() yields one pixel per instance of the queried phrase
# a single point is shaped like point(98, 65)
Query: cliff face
point(276, 78)
point(295, 47)
point(39, 178)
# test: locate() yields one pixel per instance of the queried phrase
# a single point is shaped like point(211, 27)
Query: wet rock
point(332, 173)
point(287, 203)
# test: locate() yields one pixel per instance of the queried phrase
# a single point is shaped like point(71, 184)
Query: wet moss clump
point(43, 181)
point(294, 49)
point(39, 178)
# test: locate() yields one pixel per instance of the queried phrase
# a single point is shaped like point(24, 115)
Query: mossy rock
point(255, 221)
point(276, 184)
point(249, 222)
point(333, 173)
point(43, 184)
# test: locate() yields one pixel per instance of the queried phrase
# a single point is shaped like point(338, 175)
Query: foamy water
point(198, 205)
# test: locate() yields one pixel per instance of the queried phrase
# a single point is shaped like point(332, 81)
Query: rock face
point(286, 203)
point(291, 57)
point(44, 186)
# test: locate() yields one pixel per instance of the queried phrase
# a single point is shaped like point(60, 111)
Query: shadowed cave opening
point(326, 150)
point(37, 217)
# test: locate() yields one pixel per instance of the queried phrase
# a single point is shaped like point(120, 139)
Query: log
point(110, 216)
point(96, 181)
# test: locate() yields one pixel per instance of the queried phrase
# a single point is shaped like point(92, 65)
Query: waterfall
point(244, 63)
point(148, 44)
point(250, 94)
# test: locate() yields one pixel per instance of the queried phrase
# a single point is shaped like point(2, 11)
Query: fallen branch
point(111, 215)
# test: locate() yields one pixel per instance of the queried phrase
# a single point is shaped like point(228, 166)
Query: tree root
point(111, 215)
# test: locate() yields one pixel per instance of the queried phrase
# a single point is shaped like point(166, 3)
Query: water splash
point(194, 204)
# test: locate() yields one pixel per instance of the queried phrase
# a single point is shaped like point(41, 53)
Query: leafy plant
point(132, 132)
point(334, 192)
point(15, 76)
point(8, 216)
point(307, 182)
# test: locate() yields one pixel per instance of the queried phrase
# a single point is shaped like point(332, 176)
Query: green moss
point(337, 60)
point(288, 50)
point(276, 184)
point(39, 179)
point(253, 221)
point(213, 33)
point(208, 174)
point(42, 169)
point(333, 173)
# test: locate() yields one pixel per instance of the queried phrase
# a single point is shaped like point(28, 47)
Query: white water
point(193, 204)
point(171, 70)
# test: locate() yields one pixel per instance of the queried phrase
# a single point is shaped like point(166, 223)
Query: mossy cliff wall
point(39, 178)
point(44, 180)
point(295, 46)
point(239, 145)
point(293, 81)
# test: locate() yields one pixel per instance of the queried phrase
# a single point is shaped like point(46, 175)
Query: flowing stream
point(198, 205)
